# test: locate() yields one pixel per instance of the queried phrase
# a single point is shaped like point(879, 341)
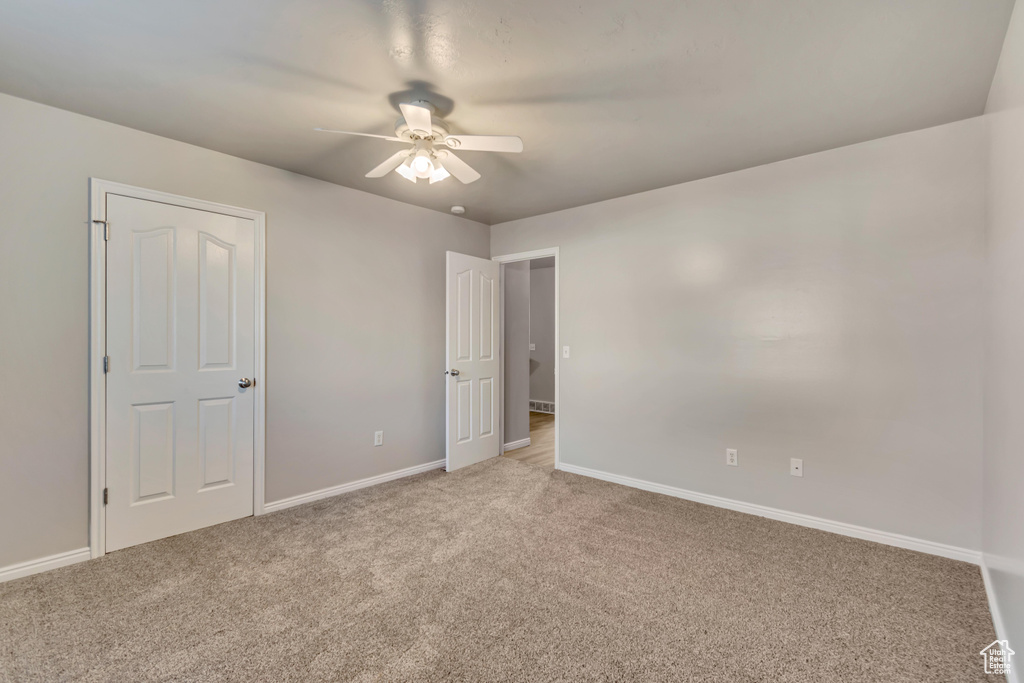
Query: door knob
point(245, 383)
point(454, 372)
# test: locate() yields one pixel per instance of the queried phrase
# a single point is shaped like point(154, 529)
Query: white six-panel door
point(181, 306)
point(473, 366)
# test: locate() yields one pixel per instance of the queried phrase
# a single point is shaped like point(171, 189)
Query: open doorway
point(530, 359)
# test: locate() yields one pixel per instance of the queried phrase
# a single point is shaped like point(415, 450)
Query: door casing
point(511, 258)
point(98, 189)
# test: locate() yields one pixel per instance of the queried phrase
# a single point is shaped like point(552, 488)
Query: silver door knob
point(245, 383)
point(454, 372)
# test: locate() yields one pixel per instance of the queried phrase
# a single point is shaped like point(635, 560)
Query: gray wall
point(542, 334)
point(825, 307)
point(1003, 543)
point(517, 351)
point(355, 316)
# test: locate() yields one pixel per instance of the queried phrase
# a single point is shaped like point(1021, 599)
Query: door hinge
point(106, 364)
point(106, 230)
point(106, 496)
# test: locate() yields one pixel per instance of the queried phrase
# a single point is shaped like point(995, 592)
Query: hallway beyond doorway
point(541, 450)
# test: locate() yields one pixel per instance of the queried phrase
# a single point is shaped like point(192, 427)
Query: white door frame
point(512, 258)
point(98, 189)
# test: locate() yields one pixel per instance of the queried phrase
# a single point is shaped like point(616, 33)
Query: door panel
point(216, 453)
point(216, 302)
point(181, 311)
point(153, 451)
point(464, 397)
point(463, 312)
point(488, 295)
point(472, 353)
point(153, 300)
point(486, 406)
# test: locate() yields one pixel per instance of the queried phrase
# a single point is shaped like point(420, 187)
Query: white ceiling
point(611, 97)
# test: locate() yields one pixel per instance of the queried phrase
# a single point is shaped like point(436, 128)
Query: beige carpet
point(503, 571)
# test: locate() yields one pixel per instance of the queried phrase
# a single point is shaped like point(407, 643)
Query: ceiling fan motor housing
point(439, 132)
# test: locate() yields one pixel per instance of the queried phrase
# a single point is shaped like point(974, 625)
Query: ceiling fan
point(430, 156)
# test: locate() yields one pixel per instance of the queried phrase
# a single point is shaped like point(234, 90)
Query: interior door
point(472, 354)
point(181, 310)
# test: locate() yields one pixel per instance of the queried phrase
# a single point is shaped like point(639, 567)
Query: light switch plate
point(533, 347)
point(565, 352)
point(796, 467)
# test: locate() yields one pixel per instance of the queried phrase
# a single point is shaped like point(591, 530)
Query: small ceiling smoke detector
point(458, 210)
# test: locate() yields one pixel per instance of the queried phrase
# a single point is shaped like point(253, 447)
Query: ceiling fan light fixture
point(405, 170)
point(438, 174)
point(422, 166)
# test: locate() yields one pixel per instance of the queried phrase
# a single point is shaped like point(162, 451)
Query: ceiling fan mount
point(429, 157)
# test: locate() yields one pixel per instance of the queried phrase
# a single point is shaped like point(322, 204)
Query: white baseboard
point(351, 486)
point(522, 443)
point(997, 619)
point(43, 564)
point(885, 537)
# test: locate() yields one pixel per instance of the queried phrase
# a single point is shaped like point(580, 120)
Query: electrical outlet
point(378, 438)
point(533, 347)
point(796, 467)
point(731, 457)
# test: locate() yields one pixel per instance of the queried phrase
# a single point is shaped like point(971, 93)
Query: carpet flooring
point(500, 572)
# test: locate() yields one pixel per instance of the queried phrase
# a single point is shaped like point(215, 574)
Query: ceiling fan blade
point(393, 162)
point(459, 168)
point(417, 118)
point(365, 135)
point(485, 143)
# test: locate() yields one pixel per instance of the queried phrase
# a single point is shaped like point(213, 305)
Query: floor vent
point(542, 407)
